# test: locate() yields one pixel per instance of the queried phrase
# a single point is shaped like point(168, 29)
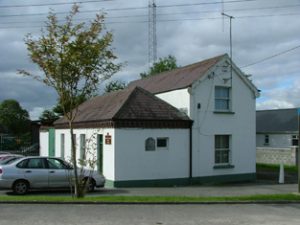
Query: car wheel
point(20, 187)
point(91, 185)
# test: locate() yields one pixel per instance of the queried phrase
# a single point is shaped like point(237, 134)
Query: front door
point(100, 153)
point(51, 150)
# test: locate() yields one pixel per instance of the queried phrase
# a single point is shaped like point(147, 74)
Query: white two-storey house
point(194, 124)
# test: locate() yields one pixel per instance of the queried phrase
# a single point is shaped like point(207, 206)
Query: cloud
point(254, 38)
point(36, 112)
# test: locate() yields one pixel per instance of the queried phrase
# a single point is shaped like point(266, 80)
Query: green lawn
point(149, 199)
point(276, 167)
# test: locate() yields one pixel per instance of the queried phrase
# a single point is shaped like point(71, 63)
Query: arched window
point(150, 144)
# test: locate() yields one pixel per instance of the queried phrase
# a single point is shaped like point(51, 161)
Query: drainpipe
point(191, 154)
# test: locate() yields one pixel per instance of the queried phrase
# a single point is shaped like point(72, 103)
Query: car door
point(59, 174)
point(35, 171)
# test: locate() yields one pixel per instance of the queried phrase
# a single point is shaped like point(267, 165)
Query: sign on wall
point(108, 139)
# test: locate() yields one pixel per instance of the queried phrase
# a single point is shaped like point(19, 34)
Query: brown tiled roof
point(131, 104)
point(178, 78)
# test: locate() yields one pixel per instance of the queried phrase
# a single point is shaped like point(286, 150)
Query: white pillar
point(281, 174)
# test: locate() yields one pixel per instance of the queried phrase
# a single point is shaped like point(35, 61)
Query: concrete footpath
point(194, 191)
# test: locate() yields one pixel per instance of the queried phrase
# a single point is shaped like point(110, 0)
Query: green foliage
point(163, 64)
point(75, 59)
point(14, 117)
point(276, 167)
point(59, 110)
point(48, 117)
point(114, 86)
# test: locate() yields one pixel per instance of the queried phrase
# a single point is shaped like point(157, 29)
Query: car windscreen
point(9, 161)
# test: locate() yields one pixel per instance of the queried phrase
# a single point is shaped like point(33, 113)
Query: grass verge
point(276, 167)
point(149, 199)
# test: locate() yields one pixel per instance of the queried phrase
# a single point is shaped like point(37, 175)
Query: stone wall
point(267, 155)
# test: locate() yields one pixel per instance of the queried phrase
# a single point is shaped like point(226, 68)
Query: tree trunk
point(78, 192)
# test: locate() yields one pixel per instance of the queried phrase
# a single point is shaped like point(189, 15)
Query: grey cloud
point(189, 41)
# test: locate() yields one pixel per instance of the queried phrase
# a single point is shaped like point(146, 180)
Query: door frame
point(100, 153)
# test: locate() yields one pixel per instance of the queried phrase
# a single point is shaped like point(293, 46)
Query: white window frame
point(160, 147)
point(148, 147)
point(82, 153)
point(228, 149)
point(228, 99)
point(62, 145)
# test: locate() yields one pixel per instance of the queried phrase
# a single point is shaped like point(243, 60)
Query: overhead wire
point(271, 56)
point(53, 4)
point(97, 1)
point(159, 14)
point(146, 21)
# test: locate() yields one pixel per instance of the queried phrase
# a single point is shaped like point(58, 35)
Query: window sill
point(223, 166)
point(224, 112)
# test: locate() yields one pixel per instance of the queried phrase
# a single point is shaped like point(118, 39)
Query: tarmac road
point(254, 214)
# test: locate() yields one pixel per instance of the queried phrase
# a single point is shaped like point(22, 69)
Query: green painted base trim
point(182, 181)
point(149, 183)
point(225, 178)
point(109, 184)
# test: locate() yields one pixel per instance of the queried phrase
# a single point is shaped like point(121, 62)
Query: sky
point(190, 30)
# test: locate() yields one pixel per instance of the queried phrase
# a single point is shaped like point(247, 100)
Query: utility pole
point(230, 41)
point(152, 40)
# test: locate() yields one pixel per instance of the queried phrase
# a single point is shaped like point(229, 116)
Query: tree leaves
point(163, 64)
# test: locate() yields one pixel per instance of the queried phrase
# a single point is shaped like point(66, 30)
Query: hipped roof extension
point(131, 107)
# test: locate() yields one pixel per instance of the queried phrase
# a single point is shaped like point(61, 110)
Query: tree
point(74, 59)
point(16, 121)
point(58, 109)
point(163, 64)
point(114, 86)
point(48, 117)
point(14, 117)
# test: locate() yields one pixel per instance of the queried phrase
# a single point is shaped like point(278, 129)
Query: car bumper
point(100, 182)
point(6, 184)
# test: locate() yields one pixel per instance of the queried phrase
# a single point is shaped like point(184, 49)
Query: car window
point(36, 164)
point(23, 163)
point(55, 164)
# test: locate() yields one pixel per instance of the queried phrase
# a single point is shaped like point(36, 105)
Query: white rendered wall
point(241, 125)
point(134, 163)
point(275, 140)
point(108, 150)
point(178, 98)
point(44, 143)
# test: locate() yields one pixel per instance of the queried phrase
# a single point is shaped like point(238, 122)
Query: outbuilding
point(139, 139)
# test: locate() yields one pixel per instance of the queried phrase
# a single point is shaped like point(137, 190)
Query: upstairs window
point(222, 98)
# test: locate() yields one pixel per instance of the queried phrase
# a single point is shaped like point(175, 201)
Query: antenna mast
point(230, 39)
point(152, 41)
